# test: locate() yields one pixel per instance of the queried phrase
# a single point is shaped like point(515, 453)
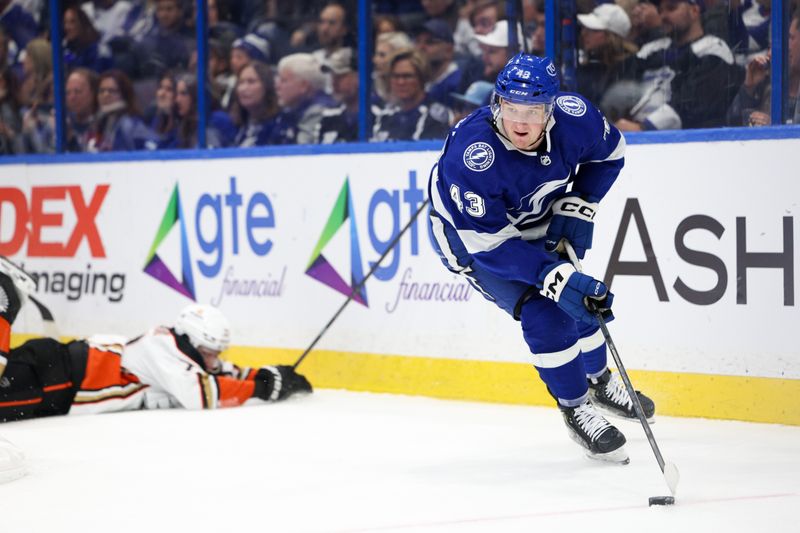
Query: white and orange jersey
point(152, 372)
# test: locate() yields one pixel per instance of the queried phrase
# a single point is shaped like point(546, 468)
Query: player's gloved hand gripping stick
point(670, 471)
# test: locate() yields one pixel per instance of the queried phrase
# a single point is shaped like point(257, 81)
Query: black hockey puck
point(661, 500)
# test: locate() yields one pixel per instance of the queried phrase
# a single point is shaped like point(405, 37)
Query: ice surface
point(345, 462)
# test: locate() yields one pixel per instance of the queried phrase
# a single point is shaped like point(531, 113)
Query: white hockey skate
point(12, 462)
point(601, 440)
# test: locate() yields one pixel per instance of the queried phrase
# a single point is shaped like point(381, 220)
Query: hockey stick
point(670, 471)
point(360, 284)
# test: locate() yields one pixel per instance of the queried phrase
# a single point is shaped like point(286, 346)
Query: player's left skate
point(610, 396)
point(23, 282)
point(588, 428)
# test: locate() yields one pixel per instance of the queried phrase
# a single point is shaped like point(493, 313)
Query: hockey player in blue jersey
point(514, 180)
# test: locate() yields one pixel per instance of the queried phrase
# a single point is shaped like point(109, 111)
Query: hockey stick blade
point(672, 476)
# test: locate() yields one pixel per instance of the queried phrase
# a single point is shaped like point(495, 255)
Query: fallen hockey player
point(176, 366)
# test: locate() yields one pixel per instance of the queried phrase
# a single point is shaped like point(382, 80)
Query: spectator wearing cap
point(604, 50)
point(256, 105)
point(494, 53)
point(82, 46)
point(340, 124)
point(410, 115)
point(477, 95)
point(386, 45)
point(688, 78)
point(251, 47)
point(167, 44)
point(301, 98)
point(435, 41)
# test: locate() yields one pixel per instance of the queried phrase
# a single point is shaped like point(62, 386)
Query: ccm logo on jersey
point(572, 206)
point(478, 156)
point(571, 105)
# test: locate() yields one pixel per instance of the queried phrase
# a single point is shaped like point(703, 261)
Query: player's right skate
point(609, 394)
point(589, 429)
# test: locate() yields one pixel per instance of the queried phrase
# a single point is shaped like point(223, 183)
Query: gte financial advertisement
point(698, 241)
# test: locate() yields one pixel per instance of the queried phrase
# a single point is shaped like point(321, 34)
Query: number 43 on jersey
point(476, 207)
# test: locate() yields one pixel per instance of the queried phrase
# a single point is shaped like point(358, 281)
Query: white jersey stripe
point(556, 359)
point(444, 245)
point(592, 342)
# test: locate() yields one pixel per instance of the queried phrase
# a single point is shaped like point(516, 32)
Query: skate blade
point(618, 456)
point(21, 279)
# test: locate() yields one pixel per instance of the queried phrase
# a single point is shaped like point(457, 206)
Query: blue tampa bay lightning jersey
point(491, 202)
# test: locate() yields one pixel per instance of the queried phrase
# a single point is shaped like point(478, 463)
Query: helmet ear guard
point(205, 326)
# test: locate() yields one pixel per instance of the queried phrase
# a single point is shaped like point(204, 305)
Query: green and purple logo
point(339, 257)
point(163, 250)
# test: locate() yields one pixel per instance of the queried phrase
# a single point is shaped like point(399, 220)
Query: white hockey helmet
point(205, 326)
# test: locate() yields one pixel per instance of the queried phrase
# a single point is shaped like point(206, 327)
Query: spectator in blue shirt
point(82, 46)
point(18, 23)
point(411, 115)
point(301, 97)
point(435, 41)
point(118, 126)
point(168, 42)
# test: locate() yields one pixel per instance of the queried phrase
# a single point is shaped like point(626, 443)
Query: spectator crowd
point(287, 72)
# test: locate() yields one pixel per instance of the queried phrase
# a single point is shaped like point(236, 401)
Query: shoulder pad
point(711, 45)
point(654, 46)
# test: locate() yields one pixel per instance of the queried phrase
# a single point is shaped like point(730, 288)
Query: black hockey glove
point(275, 383)
point(573, 220)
